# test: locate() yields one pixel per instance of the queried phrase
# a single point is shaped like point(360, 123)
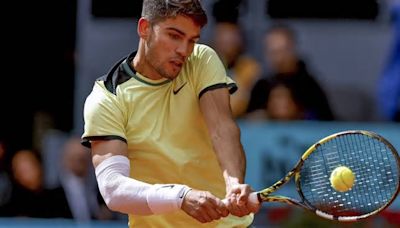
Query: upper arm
point(213, 87)
point(103, 149)
point(215, 106)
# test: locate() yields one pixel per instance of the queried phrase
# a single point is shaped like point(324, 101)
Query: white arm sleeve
point(127, 195)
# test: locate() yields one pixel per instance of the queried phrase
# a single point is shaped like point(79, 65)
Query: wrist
point(231, 182)
point(183, 196)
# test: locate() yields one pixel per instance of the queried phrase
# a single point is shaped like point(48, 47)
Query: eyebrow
point(182, 33)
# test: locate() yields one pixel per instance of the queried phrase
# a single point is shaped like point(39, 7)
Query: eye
point(174, 36)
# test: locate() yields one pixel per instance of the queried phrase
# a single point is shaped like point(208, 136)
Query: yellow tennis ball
point(342, 179)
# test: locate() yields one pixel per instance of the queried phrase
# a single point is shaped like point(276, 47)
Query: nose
point(183, 49)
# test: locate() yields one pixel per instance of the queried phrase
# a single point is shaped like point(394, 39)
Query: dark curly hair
point(160, 10)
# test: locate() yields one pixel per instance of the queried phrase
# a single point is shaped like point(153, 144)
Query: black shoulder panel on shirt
point(86, 141)
point(117, 75)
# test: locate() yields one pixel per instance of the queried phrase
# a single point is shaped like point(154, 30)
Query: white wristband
point(162, 198)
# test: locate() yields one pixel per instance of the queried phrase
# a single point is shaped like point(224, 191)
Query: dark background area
point(116, 8)
point(351, 9)
point(39, 72)
point(329, 9)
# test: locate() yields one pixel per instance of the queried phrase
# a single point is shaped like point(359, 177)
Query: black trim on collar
point(117, 75)
point(232, 88)
point(86, 140)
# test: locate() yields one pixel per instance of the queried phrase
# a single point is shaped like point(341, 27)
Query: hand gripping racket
point(374, 162)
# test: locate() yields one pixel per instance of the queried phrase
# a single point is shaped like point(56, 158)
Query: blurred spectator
point(286, 64)
point(389, 83)
point(283, 102)
point(29, 198)
point(5, 182)
point(81, 190)
point(228, 41)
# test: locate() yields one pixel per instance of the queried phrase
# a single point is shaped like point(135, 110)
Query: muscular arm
point(225, 135)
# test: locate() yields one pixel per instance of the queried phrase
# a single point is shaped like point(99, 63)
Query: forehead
point(277, 36)
point(181, 23)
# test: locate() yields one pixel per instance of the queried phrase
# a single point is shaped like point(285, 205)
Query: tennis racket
point(374, 162)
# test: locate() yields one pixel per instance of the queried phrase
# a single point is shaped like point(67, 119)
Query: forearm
point(225, 135)
point(229, 150)
point(124, 194)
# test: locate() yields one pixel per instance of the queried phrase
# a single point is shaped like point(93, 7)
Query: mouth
point(177, 63)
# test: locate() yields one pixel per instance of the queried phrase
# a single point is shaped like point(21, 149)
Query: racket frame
point(265, 194)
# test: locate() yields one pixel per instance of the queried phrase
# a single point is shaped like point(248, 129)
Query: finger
point(210, 206)
point(233, 207)
point(199, 218)
point(228, 204)
point(215, 207)
point(225, 201)
point(206, 216)
point(233, 191)
point(196, 214)
point(244, 195)
point(222, 208)
point(239, 210)
point(213, 213)
point(243, 210)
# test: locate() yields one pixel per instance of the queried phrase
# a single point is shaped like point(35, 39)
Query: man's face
point(228, 42)
point(279, 50)
point(169, 44)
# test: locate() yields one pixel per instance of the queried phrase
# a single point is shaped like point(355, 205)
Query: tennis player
point(164, 144)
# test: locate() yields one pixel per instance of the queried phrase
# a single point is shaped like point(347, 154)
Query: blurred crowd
point(288, 91)
point(27, 191)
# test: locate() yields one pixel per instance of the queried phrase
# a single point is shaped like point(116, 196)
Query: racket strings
point(375, 188)
point(372, 162)
point(369, 152)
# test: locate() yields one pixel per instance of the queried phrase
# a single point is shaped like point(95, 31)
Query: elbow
point(110, 198)
point(124, 199)
point(117, 203)
point(114, 206)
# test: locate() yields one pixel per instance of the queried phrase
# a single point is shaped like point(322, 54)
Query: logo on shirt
point(179, 89)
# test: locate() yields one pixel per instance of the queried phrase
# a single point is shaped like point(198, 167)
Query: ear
point(143, 28)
